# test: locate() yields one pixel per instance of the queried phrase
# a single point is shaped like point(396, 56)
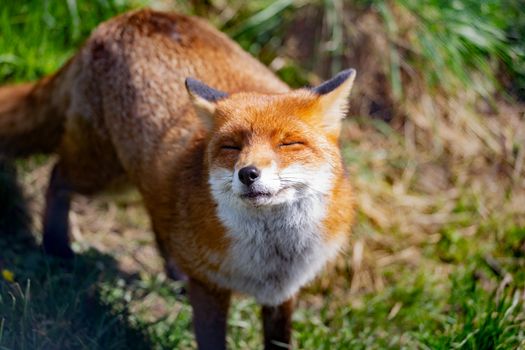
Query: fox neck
point(304, 213)
point(273, 250)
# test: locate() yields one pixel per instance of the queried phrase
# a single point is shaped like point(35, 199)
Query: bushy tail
point(31, 118)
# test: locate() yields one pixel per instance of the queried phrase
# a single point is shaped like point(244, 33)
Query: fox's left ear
point(204, 99)
point(333, 100)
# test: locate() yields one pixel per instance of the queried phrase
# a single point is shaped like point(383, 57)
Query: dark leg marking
point(277, 324)
point(210, 312)
point(56, 216)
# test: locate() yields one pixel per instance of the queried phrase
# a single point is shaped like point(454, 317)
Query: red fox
point(243, 181)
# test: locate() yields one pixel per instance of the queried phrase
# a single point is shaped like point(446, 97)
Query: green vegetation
point(454, 39)
point(437, 259)
point(39, 36)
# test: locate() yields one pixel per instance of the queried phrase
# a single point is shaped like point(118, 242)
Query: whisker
point(302, 185)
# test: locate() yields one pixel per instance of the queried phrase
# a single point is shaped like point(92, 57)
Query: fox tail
point(31, 118)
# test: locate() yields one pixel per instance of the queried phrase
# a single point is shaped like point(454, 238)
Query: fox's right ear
point(204, 99)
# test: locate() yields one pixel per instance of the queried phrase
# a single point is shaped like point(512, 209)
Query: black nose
point(249, 175)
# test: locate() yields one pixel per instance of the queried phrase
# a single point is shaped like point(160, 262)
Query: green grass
point(39, 36)
point(459, 286)
point(88, 306)
point(454, 40)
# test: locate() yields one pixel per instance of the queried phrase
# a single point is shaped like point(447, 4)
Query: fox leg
point(277, 324)
point(170, 266)
point(79, 171)
point(174, 272)
point(210, 311)
point(56, 216)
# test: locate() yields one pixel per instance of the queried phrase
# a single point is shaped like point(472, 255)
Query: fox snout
point(249, 174)
point(256, 183)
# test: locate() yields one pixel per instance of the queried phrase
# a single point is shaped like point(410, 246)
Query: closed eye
point(231, 147)
point(291, 143)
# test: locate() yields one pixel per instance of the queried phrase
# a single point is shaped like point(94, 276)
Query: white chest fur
point(274, 251)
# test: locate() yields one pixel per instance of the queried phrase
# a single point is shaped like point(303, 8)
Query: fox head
point(266, 150)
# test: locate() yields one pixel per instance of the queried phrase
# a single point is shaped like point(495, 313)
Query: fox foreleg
point(277, 325)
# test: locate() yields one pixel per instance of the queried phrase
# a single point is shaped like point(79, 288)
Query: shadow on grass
point(54, 304)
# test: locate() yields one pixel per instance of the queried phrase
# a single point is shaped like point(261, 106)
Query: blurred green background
point(435, 145)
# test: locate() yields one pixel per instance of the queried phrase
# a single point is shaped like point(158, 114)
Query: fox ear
point(333, 99)
point(204, 99)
